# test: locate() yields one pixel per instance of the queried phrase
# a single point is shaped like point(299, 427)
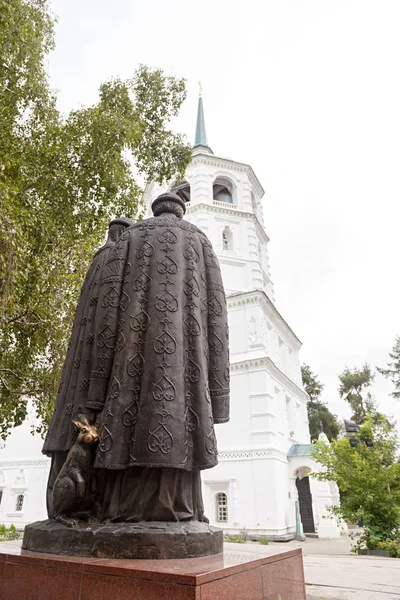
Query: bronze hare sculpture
point(70, 487)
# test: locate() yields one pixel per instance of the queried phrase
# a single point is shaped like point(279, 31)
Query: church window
point(20, 502)
point(181, 189)
point(1, 496)
point(227, 239)
point(223, 191)
point(221, 508)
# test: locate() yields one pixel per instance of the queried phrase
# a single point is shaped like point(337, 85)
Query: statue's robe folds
point(72, 392)
point(149, 355)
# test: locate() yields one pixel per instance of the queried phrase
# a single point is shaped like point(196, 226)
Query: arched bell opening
point(223, 191)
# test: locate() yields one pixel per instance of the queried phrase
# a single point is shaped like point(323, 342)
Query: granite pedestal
point(268, 573)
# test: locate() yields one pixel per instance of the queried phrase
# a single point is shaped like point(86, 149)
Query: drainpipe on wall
point(299, 527)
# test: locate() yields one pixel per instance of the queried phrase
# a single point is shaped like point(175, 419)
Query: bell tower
point(224, 199)
point(252, 485)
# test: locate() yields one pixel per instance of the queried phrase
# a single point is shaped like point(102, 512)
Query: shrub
point(9, 534)
point(263, 541)
point(240, 538)
point(391, 546)
point(368, 477)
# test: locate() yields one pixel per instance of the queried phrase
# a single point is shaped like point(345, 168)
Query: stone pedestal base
point(145, 540)
point(268, 574)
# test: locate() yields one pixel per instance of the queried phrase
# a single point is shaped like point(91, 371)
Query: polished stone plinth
point(145, 540)
point(268, 573)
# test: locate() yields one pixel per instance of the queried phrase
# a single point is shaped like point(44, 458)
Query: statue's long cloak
point(158, 364)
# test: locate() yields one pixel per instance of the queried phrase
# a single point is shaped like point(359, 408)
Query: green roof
point(300, 450)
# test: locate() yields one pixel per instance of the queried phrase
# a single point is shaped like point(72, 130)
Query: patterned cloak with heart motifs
point(149, 351)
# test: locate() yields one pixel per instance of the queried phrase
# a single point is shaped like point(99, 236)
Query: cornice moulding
point(252, 454)
point(236, 212)
point(20, 464)
point(259, 297)
point(226, 163)
point(268, 365)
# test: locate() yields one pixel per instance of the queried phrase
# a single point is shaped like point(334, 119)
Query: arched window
point(227, 239)
point(221, 505)
point(181, 189)
point(223, 191)
point(19, 503)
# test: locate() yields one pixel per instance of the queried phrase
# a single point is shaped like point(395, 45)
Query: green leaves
point(368, 477)
point(392, 371)
point(312, 386)
point(320, 418)
point(355, 381)
point(61, 181)
point(355, 387)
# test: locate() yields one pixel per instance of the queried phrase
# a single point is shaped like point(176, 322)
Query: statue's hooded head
point(168, 203)
point(116, 228)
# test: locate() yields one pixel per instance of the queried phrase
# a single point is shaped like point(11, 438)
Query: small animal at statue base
point(71, 486)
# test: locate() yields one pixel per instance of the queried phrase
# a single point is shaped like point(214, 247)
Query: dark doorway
point(305, 501)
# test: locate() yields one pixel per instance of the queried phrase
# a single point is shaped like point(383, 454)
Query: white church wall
point(23, 472)
point(255, 483)
point(237, 433)
point(235, 479)
point(268, 405)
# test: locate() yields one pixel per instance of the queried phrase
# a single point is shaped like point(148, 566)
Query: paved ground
point(333, 573)
point(317, 547)
point(352, 578)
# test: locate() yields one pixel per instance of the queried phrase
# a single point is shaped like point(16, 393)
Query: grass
point(263, 541)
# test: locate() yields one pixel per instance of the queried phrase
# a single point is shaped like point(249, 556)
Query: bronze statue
point(70, 493)
point(148, 364)
point(77, 363)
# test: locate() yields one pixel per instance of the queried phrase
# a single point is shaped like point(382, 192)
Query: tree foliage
point(312, 386)
point(61, 180)
point(355, 388)
point(392, 370)
point(368, 478)
point(320, 418)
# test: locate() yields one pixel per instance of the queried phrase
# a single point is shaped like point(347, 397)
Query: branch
point(17, 318)
point(30, 392)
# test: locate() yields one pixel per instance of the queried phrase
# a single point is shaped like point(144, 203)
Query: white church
point(261, 482)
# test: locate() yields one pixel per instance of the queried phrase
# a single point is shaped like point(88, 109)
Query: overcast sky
point(308, 93)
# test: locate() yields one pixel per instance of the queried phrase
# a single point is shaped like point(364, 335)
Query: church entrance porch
point(315, 498)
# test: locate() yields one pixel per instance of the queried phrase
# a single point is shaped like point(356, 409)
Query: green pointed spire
point(201, 136)
point(200, 140)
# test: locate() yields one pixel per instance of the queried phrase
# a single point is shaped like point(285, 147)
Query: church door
point(305, 501)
